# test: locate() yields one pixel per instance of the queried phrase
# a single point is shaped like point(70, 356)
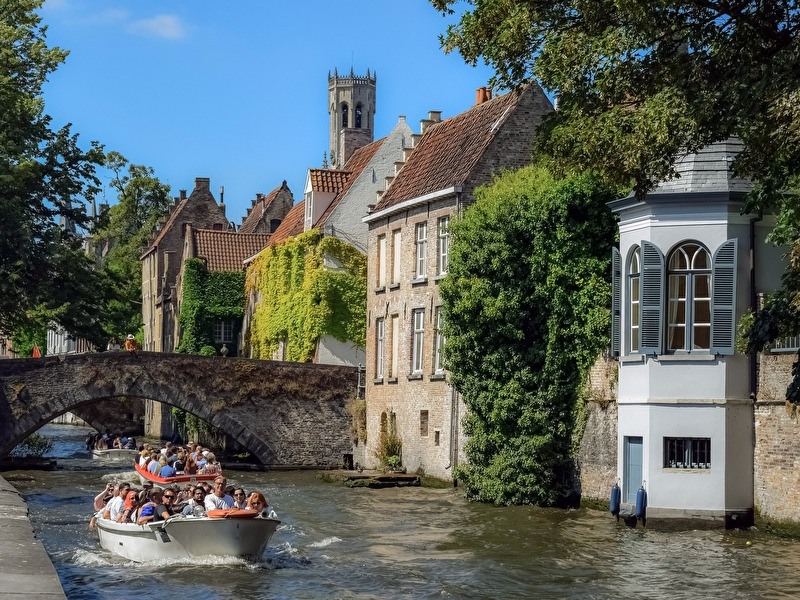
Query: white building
point(688, 267)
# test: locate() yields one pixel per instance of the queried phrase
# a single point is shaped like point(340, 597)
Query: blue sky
point(238, 91)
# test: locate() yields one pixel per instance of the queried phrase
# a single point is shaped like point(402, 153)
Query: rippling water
point(337, 542)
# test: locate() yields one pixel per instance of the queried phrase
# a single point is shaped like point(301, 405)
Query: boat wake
point(325, 543)
point(102, 558)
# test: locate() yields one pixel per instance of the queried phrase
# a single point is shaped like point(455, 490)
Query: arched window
point(345, 115)
point(634, 301)
point(689, 298)
point(358, 116)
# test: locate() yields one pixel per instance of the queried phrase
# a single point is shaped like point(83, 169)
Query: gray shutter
point(651, 328)
point(616, 300)
point(723, 298)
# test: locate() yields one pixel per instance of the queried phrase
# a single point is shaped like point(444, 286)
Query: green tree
point(641, 82)
point(143, 201)
point(526, 311)
point(44, 175)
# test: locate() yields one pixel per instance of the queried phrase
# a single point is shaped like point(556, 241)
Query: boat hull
point(187, 537)
point(115, 455)
point(146, 476)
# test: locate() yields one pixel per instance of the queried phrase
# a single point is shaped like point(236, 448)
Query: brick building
point(407, 391)
point(267, 212)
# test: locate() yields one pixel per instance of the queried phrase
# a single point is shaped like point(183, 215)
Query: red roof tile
point(227, 250)
point(292, 224)
point(448, 151)
point(327, 180)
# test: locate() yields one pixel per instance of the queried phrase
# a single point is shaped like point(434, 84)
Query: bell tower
point(351, 106)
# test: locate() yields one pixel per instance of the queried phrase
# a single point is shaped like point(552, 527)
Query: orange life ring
point(231, 513)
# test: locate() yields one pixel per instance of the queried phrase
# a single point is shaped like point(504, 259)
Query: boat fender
point(616, 496)
point(231, 513)
point(641, 503)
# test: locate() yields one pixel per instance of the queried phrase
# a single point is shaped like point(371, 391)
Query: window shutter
point(652, 299)
point(723, 298)
point(616, 300)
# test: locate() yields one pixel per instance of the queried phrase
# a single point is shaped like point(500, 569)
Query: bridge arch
point(285, 414)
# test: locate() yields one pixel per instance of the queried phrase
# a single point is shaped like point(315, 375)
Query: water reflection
point(337, 542)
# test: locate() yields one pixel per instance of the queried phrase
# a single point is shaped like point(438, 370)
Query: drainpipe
point(753, 301)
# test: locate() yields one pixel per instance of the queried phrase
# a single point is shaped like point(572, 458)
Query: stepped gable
point(449, 150)
point(357, 163)
point(253, 220)
point(327, 180)
point(166, 227)
point(292, 225)
point(227, 250)
point(707, 170)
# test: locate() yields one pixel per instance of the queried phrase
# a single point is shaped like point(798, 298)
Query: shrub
point(35, 445)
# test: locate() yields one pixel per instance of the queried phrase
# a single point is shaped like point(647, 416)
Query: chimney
point(182, 195)
point(222, 194)
point(482, 94)
point(435, 116)
point(202, 183)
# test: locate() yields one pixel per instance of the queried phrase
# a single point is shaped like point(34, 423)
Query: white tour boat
point(115, 455)
point(188, 536)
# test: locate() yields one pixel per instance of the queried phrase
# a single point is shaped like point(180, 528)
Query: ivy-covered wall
point(310, 286)
point(208, 297)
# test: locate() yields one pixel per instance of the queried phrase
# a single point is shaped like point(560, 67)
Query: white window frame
point(418, 340)
point(438, 341)
point(223, 332)
point(380, 336)
point(690, 276)
point(421, 239)
point(396, 249)
point(381, 281)
point(443, 244)
point(394, 359)
point(634, 299)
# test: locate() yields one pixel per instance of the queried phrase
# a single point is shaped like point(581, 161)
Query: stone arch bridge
point(285, 414)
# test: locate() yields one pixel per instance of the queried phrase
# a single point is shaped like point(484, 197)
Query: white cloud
point(161, 26)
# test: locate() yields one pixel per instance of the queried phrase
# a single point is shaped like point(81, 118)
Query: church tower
point(351, 106)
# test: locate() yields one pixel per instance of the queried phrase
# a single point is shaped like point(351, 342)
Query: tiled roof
point(325, 180)
point(448, 151)
point(708, 170)
point(227, 250)
point(252, 220)
point(291, 225)
point(356, 163)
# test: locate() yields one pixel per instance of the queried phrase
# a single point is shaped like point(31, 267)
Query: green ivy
point(208, 297)
point(526, 306)
point(309, 286)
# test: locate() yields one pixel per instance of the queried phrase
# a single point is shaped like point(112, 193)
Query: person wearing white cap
point(130, 344)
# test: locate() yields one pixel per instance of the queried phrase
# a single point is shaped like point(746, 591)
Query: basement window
point(687, 453)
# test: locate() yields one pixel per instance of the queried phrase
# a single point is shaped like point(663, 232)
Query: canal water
point(419, 543)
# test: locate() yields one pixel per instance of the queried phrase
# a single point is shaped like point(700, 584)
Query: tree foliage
point(44, 176)
point(641, 83)
point(122, 234)
point(526, 306)
point(309, 286)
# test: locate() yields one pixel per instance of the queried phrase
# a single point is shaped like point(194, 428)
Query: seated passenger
point(129, 508)
point(239, 498)
point(163, 511)
point(218, 499)
point(196, 506)
point(166, 469)
point(258, 502)
point(212, 467)
point(116, 504)
point(157, 508)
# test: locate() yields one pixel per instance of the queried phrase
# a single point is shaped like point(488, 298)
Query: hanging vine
point(308, 287)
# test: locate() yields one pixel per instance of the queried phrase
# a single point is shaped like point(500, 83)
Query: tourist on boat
point(148, 510)
point(218, 499)
point(196, 506)
point(100, 442)
point(144, 457)
point(180, 463)
point(258, 502)
point(239, 498)
point(166, 468)
point(212, 467)
point(129, 508)
point(117, 443)
point(201, 460)
point(116, 504)
point(90, 441)
point(163, 510)
point(103, 497)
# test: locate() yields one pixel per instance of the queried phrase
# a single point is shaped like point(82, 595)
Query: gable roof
point(449, 150)
point(252, 221)
point(327, 180)
point(166, 227)
point(227, 250)
point(291, 225)
point(355, 165)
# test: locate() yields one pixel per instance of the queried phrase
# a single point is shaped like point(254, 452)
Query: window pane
point(702, 312)
point(702, 286)
point(702, 337)
point(677, 337)
point(677, 286)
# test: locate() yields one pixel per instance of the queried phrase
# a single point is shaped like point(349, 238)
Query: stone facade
point(285, 414)
point(407, 390)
